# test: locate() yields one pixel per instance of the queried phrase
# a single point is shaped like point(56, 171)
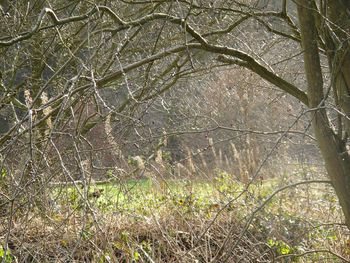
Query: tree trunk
point(337, 160)
point(338, 21)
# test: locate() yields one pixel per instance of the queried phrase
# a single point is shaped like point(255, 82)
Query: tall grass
point(150, 220)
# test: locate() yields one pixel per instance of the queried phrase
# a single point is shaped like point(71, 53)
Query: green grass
point(149, 196)
point(143, 197)
point(157, 196)
point(136, 209)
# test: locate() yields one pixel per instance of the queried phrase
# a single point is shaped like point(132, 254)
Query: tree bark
point(332, 147)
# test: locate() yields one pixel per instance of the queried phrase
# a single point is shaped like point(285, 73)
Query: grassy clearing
point(148, 196)
point(151, 220)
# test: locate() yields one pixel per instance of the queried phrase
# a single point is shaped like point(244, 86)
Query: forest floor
point(217, 220)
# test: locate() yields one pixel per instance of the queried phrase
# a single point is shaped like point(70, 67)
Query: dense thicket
point(91, 88)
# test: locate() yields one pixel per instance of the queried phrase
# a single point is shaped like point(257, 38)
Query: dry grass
point(189, 224)
point(113, 238)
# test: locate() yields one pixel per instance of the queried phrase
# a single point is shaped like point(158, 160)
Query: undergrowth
point(150, 220)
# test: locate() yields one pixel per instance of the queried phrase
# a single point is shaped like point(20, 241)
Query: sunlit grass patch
point(289, 224)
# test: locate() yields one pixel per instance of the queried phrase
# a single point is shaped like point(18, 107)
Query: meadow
point(188, 220)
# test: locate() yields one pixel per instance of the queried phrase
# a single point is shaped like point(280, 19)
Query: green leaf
point(285, 250)
point(271, 242)
point(3, 173)
point(7, 257)
point(136, 256)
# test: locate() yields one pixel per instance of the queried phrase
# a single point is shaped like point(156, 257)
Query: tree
point(332, 33)
point(78, 53)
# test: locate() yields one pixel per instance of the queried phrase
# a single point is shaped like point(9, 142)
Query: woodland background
point(174, 131)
